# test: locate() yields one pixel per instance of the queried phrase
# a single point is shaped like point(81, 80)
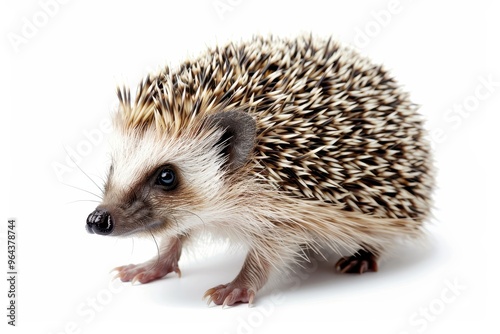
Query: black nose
point(100, 222)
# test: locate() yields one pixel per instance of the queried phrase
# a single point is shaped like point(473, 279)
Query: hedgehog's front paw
point(230, 294)
point(146, 272)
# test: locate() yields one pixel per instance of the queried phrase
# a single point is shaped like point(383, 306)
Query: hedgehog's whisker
point(192, 213)
point(83, 200)
point(133, 247)
point(81, 170)
point(176, 224)
point(81, 189)
point(145, 227)
point(157, 248)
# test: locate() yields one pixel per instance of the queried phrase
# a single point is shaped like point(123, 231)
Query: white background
point(59, 81)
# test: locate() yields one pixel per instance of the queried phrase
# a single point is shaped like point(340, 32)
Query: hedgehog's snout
point(100, 222)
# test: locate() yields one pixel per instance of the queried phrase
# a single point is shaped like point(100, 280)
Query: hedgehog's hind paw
point(358, 263)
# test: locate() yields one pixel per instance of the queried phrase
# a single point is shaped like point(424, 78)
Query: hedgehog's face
point(167, 184)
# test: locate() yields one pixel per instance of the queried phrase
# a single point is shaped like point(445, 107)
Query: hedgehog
point(287, 147)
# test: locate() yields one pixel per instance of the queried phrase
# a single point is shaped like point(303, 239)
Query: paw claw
point(340, 263)
point(137, 278)
point(116, 269)
point(251, 297)
point(117, 275)
point(363, 267)
point(350, 266)
point(209, 293)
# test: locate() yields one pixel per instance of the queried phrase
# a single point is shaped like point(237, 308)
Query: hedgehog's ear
point(238, 137)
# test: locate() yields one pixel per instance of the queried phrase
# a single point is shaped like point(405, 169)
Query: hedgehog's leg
point(362, 261)
point(253, 275)
point(157, 267)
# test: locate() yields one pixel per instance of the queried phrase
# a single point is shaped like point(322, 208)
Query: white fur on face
point(136, 156)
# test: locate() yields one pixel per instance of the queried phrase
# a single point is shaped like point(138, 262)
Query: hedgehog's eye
point(166, 178)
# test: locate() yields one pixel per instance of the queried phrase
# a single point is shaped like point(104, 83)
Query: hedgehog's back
point(332, 126)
